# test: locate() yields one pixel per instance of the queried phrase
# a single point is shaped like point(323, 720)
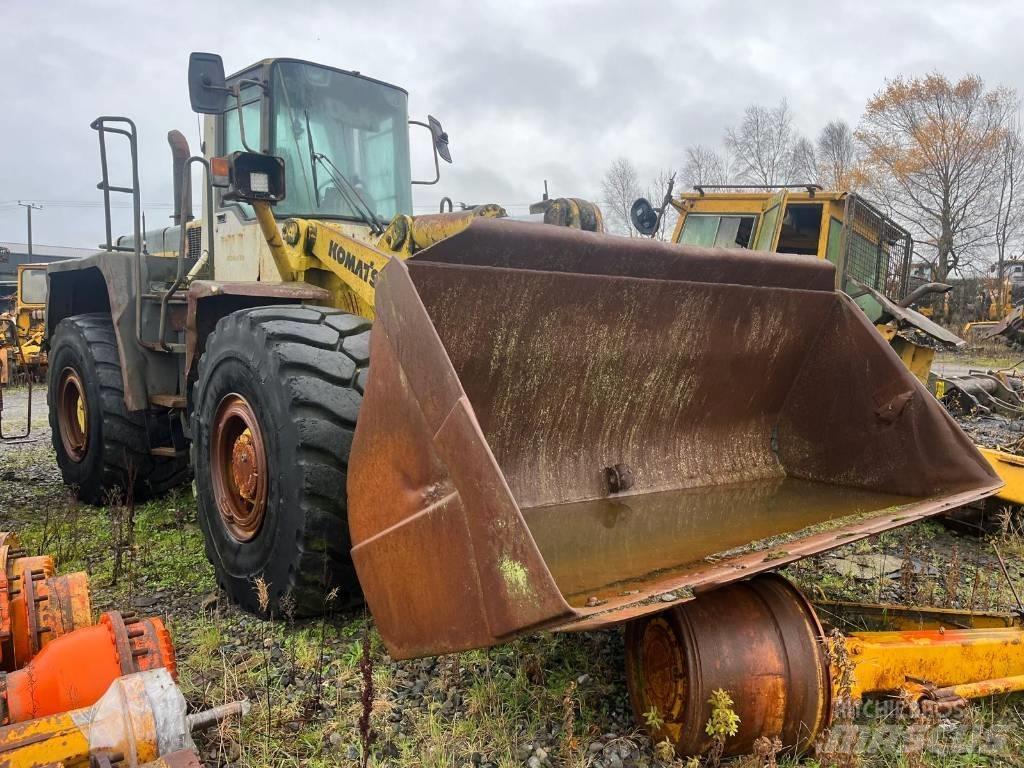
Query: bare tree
point(762, 145)
point(837, 156)
point(936, 145)
point(804, 164)
point(1009, 203)
point(705, 166)
point(620, 187)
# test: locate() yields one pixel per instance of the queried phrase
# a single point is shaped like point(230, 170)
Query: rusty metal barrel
point(759, 641)
point(567, 429)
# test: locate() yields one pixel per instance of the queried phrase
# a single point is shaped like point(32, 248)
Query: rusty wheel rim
point(238, 468)
point(72, 414)
point(658, 654)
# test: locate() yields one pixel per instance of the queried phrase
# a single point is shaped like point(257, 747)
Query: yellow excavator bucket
point(564, 429)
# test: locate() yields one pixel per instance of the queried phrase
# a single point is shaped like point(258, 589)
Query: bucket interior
point(742, 413)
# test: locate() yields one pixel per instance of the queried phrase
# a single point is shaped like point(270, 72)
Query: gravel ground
point(15, 409)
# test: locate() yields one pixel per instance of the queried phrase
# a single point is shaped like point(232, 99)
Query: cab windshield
point(359, 126)
point(33, 286)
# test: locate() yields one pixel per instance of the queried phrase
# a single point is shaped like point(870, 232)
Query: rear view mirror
point(440, 146)
point(206, 85)
point(645, 219)
point(440, 138)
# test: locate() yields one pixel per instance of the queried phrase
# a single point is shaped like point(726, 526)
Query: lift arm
point(300, 245)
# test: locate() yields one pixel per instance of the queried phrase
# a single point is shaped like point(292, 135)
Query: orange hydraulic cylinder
point(76, 669)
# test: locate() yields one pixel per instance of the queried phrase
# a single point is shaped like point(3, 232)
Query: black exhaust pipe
point(179, 154)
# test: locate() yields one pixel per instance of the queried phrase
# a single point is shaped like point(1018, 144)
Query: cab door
point(767, 237)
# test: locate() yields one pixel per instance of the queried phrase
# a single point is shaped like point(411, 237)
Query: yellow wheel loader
point(234, 346)
point(22, 357)
point(21, 331)
point(483, 427)
point(871, 253)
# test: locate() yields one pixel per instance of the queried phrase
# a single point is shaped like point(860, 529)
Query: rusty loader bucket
point(570, 430)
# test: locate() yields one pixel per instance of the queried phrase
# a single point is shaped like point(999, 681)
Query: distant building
point(13, 254)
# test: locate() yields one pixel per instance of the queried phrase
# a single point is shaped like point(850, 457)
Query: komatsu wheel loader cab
point(343, 137)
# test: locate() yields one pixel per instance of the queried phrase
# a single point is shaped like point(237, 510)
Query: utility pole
point(28, 209)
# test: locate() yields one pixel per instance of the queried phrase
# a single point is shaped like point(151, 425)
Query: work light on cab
point(252, 177)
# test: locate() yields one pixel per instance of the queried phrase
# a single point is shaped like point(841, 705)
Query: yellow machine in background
point(870, 251)
point(21, 331)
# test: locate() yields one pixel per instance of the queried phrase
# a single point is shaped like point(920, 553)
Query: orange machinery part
point(139, 717)
point(76, 669)
point(12, 562)
point(36, 606)
point(43, 609)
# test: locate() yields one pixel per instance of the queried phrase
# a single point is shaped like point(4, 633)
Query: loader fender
point(211, 300)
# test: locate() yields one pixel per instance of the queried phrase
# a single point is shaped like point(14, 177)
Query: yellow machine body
point(1010, 469)
point(21, 331)
point(871, 253)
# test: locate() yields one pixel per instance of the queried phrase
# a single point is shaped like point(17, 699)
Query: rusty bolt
point(619, 477)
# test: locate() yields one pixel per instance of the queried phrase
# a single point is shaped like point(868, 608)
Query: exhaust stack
point(180, 154)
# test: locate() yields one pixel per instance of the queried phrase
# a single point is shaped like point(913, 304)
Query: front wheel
point(276, 402)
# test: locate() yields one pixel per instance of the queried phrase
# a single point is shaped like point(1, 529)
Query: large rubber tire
point(302, 370)
point(116, 461)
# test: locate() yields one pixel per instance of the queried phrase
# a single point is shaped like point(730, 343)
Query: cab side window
point(231, 136)
point(719, 231)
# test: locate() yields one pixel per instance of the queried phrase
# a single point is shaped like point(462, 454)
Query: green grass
point(566, 690)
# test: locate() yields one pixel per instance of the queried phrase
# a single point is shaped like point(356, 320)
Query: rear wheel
point(276, 402)
point(102, 448)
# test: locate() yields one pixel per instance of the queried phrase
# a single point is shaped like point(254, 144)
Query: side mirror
point(440, 146)
point(645, 219)
point(206, 84)
point(440, 138)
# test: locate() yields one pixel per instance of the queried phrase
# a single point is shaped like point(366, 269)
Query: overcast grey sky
point(527, 90)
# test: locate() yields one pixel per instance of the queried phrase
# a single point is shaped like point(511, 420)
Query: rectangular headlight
point(259, 182)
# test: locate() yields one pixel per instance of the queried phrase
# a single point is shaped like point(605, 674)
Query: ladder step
point(178, 297)
point(111, 188)
point(168, 452)
point(168, 401)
